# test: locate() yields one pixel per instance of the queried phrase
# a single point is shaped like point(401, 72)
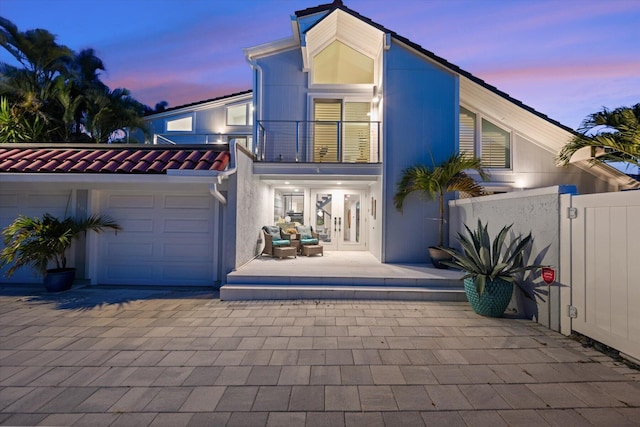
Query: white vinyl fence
point(593, 243)
point(605, 268)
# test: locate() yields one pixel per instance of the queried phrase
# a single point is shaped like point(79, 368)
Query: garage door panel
point(131, 201)
point(16, 202)
point(188, 202)
point(117, 250)
point(185, 225)
point(186, 273)
point(135, 225)
point(167, 239)
point(8, 201)
point(47, 202)
point(131, 273)
point(186, 251)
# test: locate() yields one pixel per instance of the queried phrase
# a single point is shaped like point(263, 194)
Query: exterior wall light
point(376, 95)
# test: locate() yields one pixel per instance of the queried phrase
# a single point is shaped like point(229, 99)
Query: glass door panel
point(357, 132)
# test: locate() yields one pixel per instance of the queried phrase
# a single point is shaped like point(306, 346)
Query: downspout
point(257, 95)
point(213, 187)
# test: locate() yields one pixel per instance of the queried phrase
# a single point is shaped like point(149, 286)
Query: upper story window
point(481, 138)
point(239, 115)
point(183, 124)
point(341, 64)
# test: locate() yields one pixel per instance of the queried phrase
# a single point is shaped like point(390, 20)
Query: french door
point(338, 217)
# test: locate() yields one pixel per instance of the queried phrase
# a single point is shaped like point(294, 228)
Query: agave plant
point(37, 241)
point(484, 260)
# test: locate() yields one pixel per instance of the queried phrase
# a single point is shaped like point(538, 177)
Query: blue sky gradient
point(564, 58)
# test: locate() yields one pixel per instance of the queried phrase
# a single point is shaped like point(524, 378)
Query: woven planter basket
point(493, 301)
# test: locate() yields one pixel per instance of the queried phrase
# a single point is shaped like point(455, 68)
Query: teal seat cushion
point(309, 241)
point(280, 242)
point(305, 232)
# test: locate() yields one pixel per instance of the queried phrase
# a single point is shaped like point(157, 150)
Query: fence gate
point(605, 257)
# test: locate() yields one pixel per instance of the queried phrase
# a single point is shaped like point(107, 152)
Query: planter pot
point(59, 279)
point(493, 301)
point(437, 256)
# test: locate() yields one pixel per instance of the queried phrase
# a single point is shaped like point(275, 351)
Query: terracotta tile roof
point(130, 159)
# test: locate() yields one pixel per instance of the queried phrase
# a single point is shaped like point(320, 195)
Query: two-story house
point(336, 112)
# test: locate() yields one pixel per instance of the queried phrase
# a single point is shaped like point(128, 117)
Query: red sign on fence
point(548, 275)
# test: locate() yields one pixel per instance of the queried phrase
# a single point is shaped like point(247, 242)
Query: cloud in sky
point(565, 58)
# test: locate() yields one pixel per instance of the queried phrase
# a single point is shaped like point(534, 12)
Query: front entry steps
point(341, 275)
point(243, 291)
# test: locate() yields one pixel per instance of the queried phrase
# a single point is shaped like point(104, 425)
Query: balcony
point(318, 141)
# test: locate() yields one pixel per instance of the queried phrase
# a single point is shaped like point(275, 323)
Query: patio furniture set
point(281, 243)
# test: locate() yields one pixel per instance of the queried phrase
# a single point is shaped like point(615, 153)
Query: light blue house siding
point(283, 86)
point(420, 126)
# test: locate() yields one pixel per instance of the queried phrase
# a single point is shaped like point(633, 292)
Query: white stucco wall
point(536, 211)
point(247, 211)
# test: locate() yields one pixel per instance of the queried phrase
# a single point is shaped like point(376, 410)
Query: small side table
point(309, 250)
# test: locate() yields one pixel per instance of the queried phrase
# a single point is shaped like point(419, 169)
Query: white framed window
point(495, 146)
point(182, 124)
point(239, 115)
point(479, 137)
point(467, 133)
point(339, 63)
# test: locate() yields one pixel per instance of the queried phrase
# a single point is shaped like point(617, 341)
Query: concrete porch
point(340, 275)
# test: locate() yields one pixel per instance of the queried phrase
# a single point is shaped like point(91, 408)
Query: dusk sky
point(565, 58)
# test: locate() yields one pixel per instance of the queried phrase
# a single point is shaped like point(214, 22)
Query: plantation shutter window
point(467, 133)
point(357, 132)
point(496, 146)
point(325, 141)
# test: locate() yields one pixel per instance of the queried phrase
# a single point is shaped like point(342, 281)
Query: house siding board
point(420, 127)
point(536, 168)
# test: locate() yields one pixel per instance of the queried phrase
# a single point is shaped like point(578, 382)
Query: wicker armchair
point(307, 236)
point(273, 237)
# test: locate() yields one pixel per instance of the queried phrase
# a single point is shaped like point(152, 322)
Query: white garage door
point(25, 201)
point(167, 239)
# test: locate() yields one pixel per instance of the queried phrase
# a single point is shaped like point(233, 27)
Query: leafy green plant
point(484, 260)
point(34, 241)
point(434, 181)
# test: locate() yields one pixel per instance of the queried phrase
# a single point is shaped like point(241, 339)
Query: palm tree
point(85, 77)
point(433, 182)
point(110, 112)
point(610, 135)
point(35, 87)
point(60, 91)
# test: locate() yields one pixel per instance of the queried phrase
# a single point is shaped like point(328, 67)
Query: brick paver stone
point(307, 398)
point(341, 398)
point(272, 398)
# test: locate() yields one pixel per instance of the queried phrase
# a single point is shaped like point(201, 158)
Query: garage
point(24, 200)
point(168, 238)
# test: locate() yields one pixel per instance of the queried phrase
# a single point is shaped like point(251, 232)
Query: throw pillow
point(305, 231)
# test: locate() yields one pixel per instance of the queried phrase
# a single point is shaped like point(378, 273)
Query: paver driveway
point(166, 358)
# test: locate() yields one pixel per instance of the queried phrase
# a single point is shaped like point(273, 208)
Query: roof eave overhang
point(171, 177)
point(270, 48)
point(202, 106)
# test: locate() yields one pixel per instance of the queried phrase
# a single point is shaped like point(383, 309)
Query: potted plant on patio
point(35, 242)
point(491, 268)
point(434, 182)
